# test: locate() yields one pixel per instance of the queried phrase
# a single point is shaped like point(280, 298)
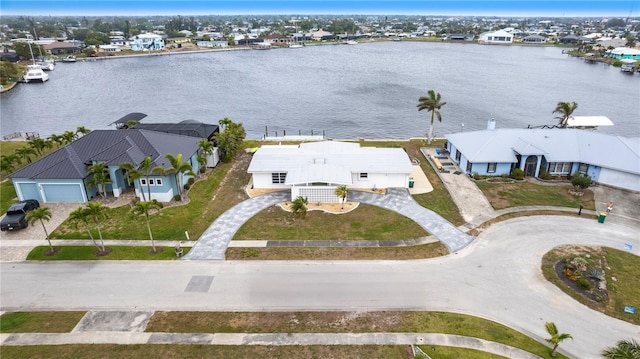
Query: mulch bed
point(594, 294)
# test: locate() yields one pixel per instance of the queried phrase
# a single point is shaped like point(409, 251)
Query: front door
point(530, 166)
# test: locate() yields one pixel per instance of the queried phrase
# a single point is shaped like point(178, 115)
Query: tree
point(581, 181)
point(39, 144)
point(25, 153)
point(144, 208)
point(624, 349)
point(178, 168)
point(202, 162)
point(556, 338)
point(132, 175)
point(565, 109)
point(100, 177)
point(82, 130)
point(68, 137)
point(342, 192)
point(207, 147)
point(97, 212)
point(80, 216)
point(299, 207)
point(8, 162)
point(230, 139)
point(432, 103)
point(147, 170)
point(41, 214)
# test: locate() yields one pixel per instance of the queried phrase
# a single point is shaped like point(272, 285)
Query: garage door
point(619, 179)
point(62, 192)
point(29, 191)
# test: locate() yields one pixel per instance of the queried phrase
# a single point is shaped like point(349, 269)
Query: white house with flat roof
point(496, 37)
point(315, 169)
point(607, 159)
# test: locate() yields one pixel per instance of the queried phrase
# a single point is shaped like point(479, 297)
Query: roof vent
point(320, 161)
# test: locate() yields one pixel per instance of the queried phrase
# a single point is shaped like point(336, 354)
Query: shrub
point(475, 176)
point(581, 182)
point(517, 173)
point(584, 284)
point(176, 198)
point(545, 175)
point(191, 181)
point(186, 187)
point(202, 169)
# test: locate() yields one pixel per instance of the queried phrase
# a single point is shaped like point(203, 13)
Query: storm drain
point(199, 284)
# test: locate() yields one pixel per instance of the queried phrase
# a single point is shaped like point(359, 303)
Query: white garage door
point(619, 179)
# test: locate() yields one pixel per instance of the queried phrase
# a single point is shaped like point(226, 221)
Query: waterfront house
point(63, 176)
point(315, 169)
point(534, 39)
point(607, 159)
point(148, 42)
point(61, 48)
point(625, 53)
point(499, 37)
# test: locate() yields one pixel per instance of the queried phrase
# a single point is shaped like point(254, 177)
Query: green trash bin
point(602, 217)
point(411, 182)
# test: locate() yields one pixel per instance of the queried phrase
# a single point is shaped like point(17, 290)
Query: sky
point(521, 8)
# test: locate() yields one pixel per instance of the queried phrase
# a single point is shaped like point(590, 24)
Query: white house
point(147, 41)
point(315, 169)
point(496, 37)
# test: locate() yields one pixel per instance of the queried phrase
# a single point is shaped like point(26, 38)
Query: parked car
point(16, 215)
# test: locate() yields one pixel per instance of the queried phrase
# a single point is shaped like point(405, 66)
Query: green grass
point(439, 352)
point(7, 196)
point(39, 322)
point(364, 222)
point(505, 195)
point(118, 253)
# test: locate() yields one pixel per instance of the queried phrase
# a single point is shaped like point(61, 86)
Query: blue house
point(62, 176)
point(147, 41)
point(607, 159)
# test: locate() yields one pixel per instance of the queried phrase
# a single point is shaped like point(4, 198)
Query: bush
point(584, 284)
point(517, 173)
point(475, 176)
point(191, 181)
point(545, 175)
point(176, 198)
point(581, 182)
point(187, 186)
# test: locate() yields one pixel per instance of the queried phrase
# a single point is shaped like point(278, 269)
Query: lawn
point(364, 222)
point(505, 195)
point(7, 196)
point(39, 322)
point(117, 253)
point(622, 265)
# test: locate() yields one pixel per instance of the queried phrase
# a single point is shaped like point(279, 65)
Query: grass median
point(506, 195)
point(79, 253)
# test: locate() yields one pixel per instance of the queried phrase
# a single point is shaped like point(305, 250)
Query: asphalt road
point(497, 277)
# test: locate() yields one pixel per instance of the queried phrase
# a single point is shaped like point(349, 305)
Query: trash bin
point(411, 182)
point(602, 217)
point(438, 151)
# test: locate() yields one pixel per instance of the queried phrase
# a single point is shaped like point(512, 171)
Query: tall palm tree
point(624, 349)
point(143, 208)
point(432, 103)
point(38, 144)
point(100, 177)
point(178, 169)
point(565, 109)
point(556, 337)
point(299, 207)
point(57, 139)
point(202, 162)
point(147, 170)
point(82, 130)
point(132, 174)
point(342, 192)
point(41, 214)
point(98, 213)
point(80, 216)
point(69, 136)
point(25, 153)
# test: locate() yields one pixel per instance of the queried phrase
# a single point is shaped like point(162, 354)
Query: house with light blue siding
point(63, 176)
point(607, 159)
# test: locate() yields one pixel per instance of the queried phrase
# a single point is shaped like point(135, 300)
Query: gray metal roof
point(185, 128)
point(328, 161)
point(113, 147)
point(557, 145)
point(134, 116)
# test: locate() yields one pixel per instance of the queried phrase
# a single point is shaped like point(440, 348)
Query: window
point(458, 155)
point(364, 176)
point(491, 167)
point(278, 177)
point(143, 181)
point(158, 181)
point(152, 182)
point(583, 168)
point(560, 167)
point(469, 165)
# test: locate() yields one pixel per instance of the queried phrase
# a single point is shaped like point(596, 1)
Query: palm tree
point(68, 137)
point(178, 169)
point(41, 214)
point(556, 338)
point(25, 153)
point(100, 177)
point(565, 109)
point(433, 103)
point(98, 212)
point(342, 192)
point(82, 130)
point(202, 162)
point(8, 162)
point(143, 208)
point(299, 207)
point(133, 175)
point(147, 170)
point(39, 144)
point(624, 349)
point(80, 217)
point(57, 139)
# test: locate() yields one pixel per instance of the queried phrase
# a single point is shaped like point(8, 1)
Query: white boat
point(47, 64)
point(35, 74)
point(627, 68)
point(296, 46)
point(351, 42)
point(69, 58)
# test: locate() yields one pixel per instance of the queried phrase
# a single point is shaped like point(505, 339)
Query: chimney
point(491, 125)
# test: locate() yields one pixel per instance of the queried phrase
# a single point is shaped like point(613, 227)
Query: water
point(367, 90)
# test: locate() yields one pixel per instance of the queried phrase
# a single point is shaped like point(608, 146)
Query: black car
point(16, 215)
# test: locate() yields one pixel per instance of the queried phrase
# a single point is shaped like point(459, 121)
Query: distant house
point(607, 159)
point(535, 39)
point(210, 44)
point(61, 48)
point(63, 176)
point(625, 53)
point(315, 169)
point(573, 39)
point(148, 42)
point(500, 37)
point(109, 48)
point(278, 39)
point(322, 35)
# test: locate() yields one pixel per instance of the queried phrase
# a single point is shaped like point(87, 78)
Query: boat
point(627, 68)
point(35, 74)
point(262, 46)
point(296, 46)
point(47, 64)
point(351, 42)
point(69, 58)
